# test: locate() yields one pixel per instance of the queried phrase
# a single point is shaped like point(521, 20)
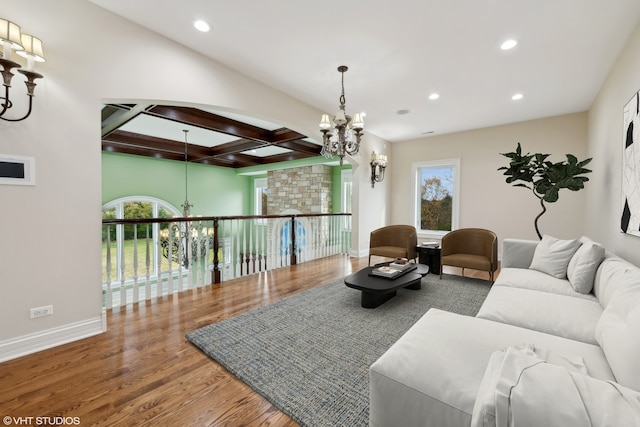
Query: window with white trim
point(346, 185)
point(260, 199)
point(436, 197)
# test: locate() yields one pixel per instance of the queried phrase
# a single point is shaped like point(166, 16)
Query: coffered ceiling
point(398, 53)
point(212, 137)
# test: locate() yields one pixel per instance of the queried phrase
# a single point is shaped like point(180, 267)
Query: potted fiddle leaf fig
point(543, 177)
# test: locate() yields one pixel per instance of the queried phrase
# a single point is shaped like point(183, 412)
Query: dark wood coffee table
point(378, 290)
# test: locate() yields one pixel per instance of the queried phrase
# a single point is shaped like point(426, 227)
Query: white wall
point(370, 205)
point(486, 200)
point(50, 245)
point(604, 202)
point(51, 248)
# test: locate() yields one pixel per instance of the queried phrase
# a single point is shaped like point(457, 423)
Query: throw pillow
point(582, 267)
point(552, 256)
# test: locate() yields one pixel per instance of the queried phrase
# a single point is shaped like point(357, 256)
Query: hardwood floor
point(143, 371)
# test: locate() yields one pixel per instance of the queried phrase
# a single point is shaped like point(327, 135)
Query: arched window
point(122, 238)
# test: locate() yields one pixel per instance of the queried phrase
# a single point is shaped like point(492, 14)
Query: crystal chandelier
point(348, 131)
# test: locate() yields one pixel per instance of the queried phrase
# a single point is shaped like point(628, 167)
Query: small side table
point(430, 256)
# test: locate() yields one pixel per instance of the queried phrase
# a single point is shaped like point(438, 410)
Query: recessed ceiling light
point(201, 26)
point(434, 96)
point(508, 44)
point(517, 96)
point(402, 112)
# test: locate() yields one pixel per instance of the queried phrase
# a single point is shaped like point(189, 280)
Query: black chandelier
point(347, 130)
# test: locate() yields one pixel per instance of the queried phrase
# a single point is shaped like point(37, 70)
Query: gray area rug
point(309, 354)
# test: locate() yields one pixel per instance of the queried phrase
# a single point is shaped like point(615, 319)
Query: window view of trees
point(121, 237)
point(109, 214)
point(134, 210)
point(142, 210)
point(436, 198)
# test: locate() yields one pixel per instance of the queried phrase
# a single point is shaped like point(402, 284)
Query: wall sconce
point(378, 165)
point(27, 46)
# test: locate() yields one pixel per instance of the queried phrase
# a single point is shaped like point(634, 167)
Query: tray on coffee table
point(376, 289)
point(391, 270)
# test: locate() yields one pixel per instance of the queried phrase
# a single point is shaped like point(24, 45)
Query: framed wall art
point(630, 218)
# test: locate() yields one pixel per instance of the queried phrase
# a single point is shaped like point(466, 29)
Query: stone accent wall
point(306, 189)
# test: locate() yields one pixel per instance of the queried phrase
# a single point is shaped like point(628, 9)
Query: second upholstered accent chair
point(474, 248)
point(394, 241)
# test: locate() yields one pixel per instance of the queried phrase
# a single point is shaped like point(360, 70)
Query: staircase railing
point(147, 258)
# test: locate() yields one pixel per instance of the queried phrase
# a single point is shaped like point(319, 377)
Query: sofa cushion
point(537, 281)
point(582, 267)
point(432, 374)
point(618, 333)
point(559, 315)
point(614, 274)
point(552, 256)
point(518, 253)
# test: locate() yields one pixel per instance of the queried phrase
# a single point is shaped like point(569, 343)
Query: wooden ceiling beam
point(285, 134)
point(214, 122)
point(205, 120)
point(236, 147)
point(152, 144)
point(302, 146)
point(114, 147)
point(118, 115)
point(241, 160)
point(226, 155)
point(285, 157)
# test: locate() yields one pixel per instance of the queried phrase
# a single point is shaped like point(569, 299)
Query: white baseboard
point(359, 254)
point(32, 343)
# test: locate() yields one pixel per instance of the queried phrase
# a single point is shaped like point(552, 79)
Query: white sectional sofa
point(556, 342)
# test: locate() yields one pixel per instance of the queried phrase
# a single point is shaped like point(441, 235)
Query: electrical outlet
point(47, 310)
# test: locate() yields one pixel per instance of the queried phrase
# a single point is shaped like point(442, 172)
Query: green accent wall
point(213, 190)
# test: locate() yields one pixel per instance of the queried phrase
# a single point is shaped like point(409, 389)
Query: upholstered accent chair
point(394, 241)
point(474, 248)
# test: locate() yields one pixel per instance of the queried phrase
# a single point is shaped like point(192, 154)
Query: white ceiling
point(398, 52)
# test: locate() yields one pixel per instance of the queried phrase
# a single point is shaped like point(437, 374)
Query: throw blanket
point(521, 388)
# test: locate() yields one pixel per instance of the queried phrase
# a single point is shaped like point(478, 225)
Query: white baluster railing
point(166, 256)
